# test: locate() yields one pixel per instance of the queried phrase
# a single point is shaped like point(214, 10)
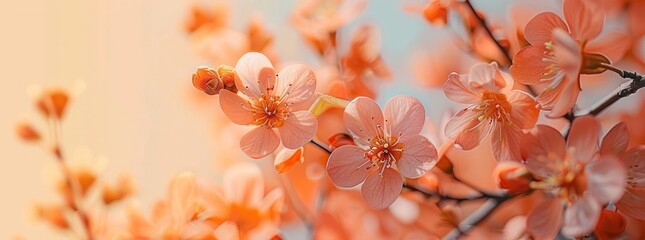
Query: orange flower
point(560, 52)
point(495, 107)
point(52, 103)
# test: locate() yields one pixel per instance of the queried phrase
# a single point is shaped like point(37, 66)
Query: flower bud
point(513, 176)
point(227, 76)
point(27, 133)
point(207, 80)
point(593, 63)
point(52, 103)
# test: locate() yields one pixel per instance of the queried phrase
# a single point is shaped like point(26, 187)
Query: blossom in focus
point(494, 107)
point(389, 145)
point(560, 52)
point(240, 209)
point(272, 103)
point(578, 180)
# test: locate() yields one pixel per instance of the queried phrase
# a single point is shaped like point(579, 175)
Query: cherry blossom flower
point(272, 104)
point(560, 52)
point(389, 145)
point(494, 107)
point(578, 180)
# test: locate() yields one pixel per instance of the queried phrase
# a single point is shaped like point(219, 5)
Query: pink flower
point(389, 145)
point(578, 179)
point(558, 50)
point(271, 103)
point(494, 107)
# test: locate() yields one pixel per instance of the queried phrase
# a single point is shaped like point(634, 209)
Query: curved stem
point(482, 22)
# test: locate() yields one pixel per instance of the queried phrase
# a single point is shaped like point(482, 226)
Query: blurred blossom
point(578, 178)
point(52, 103)
point(363, 61)
point(388, 146)
point(319, 20)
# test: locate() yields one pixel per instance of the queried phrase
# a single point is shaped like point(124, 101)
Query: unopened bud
point(228, 76)
point(513, 176)
point(207, 80)
point(594, 63)
point(287, 158)
point(27, 133)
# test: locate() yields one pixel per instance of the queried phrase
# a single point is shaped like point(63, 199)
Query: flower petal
point(256, 74)
point(404, 116)
point(243, 185)
point(457, 89)
point(259, 142)
point(298, 129)
point(380, 191)
point(418, 157)
point(585, 18)
point(606, 45)
point(606, 179)
point(235, 108)
point(486, 77)
point(616, 140)
point(581, 217)
point(506, 143)
point(182, 195)
point(299, 82)
point(287, 158)
point(347, 166)
point(539, 29)
point(528, 67)
point(363, 117)
point(473, 133)
point(545, 219)
point(583, 137)
point(543, 149)
point(524, 111)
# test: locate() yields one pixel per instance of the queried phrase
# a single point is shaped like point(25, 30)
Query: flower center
point(270, 110)
point(384, 150)
point(569, 184)
point(494, 107)
point(552, 68)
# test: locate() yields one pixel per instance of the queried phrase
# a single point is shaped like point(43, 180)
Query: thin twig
point(482, 22)
point(477, 217)
point(298, 207)
point(624, 90)
point(320, 145)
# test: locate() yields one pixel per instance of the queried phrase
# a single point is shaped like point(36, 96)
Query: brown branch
point(483, 24)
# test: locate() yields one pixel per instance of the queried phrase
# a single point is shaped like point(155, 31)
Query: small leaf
point(326, 102)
